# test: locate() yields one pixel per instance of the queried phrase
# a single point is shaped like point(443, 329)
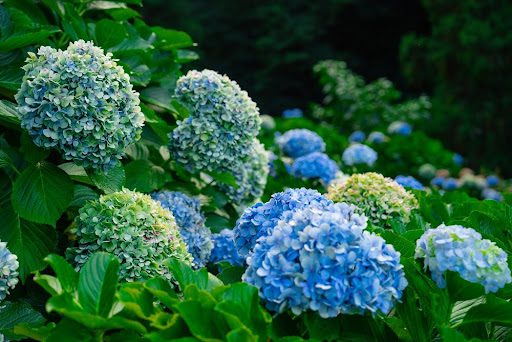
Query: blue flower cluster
point(357, 136)
point(376, 138)
point(409, 182)
point(359, 154)
point(462, 250)
point(8, 271)
point(299, 142)
point(187, 213)
point(220, 133)
point(492, 180)
point(450, 184)
point(492, 194)
point(292, 113)
point(80, 102)
point(321, 259)
point(458, 159)
point(400, 128)
point(224, 248)
point(260, 219)
point(315, 165)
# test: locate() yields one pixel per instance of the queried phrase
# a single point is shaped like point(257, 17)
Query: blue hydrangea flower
point(400, 128)
point(320, 259)
point(462, 250)
point(8, 270)
point(80, 102)
point(299, 142)
point(223, 121)
point(187, 212)
point(450, 183)
point(437, 181)
point(260, 219)
point(315, 165)
point(357, 136)
point(376, 138)
point(409, 182)
point(292, 113)
point(492, 180)
point(359, 154)
point(224, 248)
point(220, 133)
point(458, 159)
point(492, 194)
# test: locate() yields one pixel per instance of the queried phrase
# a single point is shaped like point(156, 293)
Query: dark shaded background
point(458, 52)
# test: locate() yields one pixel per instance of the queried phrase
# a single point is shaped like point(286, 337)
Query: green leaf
point(5, 160)
point(21, 39)
point(10, 79)
point(185, 276)
point(162, 290)
point(31, 152)
point(110, 181)
point(144, 176)
point(172, 39)
point(72, 331)
point(66, 274)
point(14, 313)
point(210, 327)
point(109, 33)
point(83, 194)
point(241, 334)
point(495, 310)
point(31, 242)
point(137, 300)
point(97, 283)
point(41, 193)
point(9, 115)
point(76, 173)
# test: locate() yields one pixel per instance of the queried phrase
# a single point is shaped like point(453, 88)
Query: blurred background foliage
point(458, 52)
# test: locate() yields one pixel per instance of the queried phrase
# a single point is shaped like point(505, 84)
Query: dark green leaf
point(41, 193)
point(109, 33)
point(143, 176)
point(109, 181)
point(21, 39)
point(83, 194)
point(31, 152)
point(14, 313)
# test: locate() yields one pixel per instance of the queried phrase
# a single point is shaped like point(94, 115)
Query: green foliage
point(463, 59)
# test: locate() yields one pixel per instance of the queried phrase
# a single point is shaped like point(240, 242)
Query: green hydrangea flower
point(80, 102)
point(379, 198)
point(135, 228)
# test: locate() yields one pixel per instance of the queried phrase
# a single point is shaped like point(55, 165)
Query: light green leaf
point(66, 274)
point(21, 39)
point(97, 283)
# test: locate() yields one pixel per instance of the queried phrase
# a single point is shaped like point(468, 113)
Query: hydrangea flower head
point(458, 159)
point(8, 270)
point(223, 121)
point(379, 198)
point(260, 219)
point(409, 182)
point(299, 142)
point(80, 102)
point(133, 227)
point(320, 259)
point(492, 180)
point(315, 165)
point(187, 213)
point(267, 122)
point(492, 194)
point(357, 136)
point(462, 250)
point(292, 113)
point(224, 248)
point(472, 181)
point(450, 183)
point(400, 128)
point(359, 154)
point(376, 137)
point(427, 171)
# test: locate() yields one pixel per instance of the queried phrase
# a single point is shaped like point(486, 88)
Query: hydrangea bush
point(359, 154)
point(300, 142)
point(224, 248)
point(187, 213)
point(8, 271)
point(462, 250)
point(380, 198)
point(319, 259)
point(260, 219)
point(80, 102)
point(315, 165)
point(133, 227)
point(409, 182)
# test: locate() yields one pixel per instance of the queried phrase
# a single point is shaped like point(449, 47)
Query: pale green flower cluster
point(380, 198)
point(135, 228)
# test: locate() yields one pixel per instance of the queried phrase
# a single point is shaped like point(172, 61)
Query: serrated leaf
point(41, 193)
point(110, 181)
point(82, 195)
